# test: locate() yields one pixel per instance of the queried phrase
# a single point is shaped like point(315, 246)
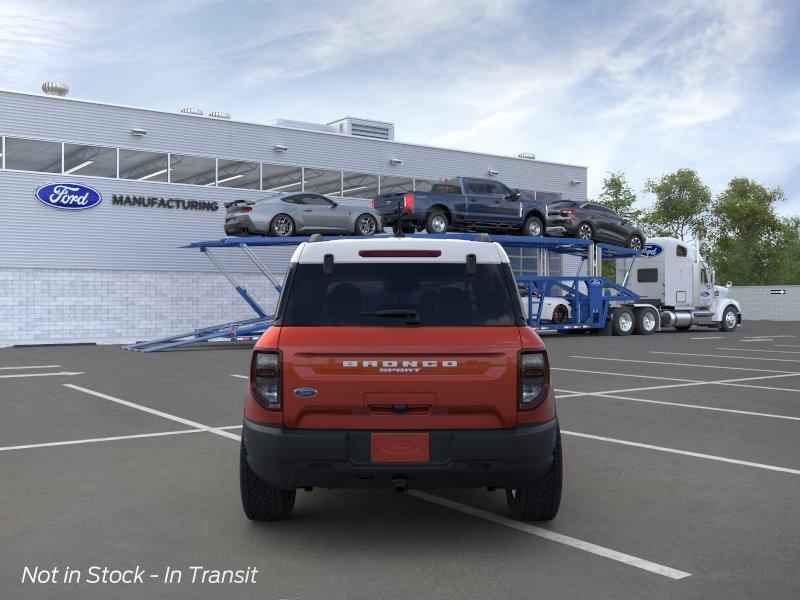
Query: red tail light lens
point(245, 209)
point(374, 202)
point(567, 212)
point(265, 378)
point(534, 378)
point(408, 202)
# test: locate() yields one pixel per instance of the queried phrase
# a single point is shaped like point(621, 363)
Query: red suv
point(400, 363)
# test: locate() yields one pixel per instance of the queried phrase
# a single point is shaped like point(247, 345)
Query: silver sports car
point(293, 213)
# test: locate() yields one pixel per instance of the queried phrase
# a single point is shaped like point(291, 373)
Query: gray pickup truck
point(465, 204)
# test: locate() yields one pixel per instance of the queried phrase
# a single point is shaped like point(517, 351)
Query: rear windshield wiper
point(411, 315)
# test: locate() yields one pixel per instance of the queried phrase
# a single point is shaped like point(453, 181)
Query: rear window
point(437, 294)
point(446, 187)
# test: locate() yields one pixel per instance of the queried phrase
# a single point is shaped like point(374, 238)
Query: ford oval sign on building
point(652, 250)
point(68, 196)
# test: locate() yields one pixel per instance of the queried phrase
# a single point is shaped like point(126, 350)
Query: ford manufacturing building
point(115, 272)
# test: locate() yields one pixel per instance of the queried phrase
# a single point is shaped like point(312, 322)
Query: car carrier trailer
point(592, 303)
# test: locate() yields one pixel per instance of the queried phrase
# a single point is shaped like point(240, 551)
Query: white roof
point(451, 251)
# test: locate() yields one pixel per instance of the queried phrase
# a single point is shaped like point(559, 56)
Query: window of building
point(321, 181)
point(97, 161)
point(33, 155)
point(396, 185)
point(280, 178)
point(647, 275)
point(423, 185)
point(143, 166)
point(681, 250)
point(194, 170)
point(359, 185)
point(238, 174)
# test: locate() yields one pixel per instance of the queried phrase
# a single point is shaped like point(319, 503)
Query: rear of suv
point(400, 363)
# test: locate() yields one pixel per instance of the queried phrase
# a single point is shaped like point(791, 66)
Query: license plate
point(399, 447)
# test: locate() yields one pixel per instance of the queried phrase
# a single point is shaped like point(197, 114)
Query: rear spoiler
point(238, 203)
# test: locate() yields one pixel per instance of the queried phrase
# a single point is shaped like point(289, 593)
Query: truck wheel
point(282, 225)
point(533, 227)
point(540, 501)
point(261, 501)
point(645, 322)
point(729, 319)
point(623, 322)
point(436, 222)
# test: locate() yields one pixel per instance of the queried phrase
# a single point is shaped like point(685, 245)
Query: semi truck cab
point(671, 276)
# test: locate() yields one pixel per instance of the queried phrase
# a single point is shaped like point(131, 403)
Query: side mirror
point(334, 204)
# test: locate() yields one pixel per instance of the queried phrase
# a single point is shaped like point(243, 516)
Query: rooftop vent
point(219, 115)
point(51, 88)
point(527, 155)
point(192, 111)
point(377, 130)
point(303, 125)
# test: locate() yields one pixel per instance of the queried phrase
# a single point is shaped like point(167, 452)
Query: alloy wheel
point(439, 224)
point(585, 231)
point(366, 225)
point(635, 243)
point(282, 226)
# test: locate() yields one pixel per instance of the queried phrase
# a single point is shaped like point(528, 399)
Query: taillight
point(265, 378)
point(408, 202)
point(567, 212)
point(246, 209)
point(534, 378)
point(374, 202)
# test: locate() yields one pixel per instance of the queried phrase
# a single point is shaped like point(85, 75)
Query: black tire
point(276, 225)
point(533, 227)
point(261, 501)
point(730, 319)
point(437, 221)
point(645, 322)
point(635, 242)
point(540, 501)
point(683, 327)
point(585, 231)
point(560, 314)
point(366, 225)
point(623, 322)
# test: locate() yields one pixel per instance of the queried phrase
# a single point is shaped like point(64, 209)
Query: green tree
point(618, 195)
point(681, 206)
point(751, 244)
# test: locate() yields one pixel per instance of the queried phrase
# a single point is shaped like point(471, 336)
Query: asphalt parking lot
point(682, 479)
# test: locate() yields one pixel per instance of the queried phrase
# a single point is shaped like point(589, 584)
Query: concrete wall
point(759, 304)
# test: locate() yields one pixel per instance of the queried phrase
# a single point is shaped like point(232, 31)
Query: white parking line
point(153, 411)
point(793, 360)
point(31, 367)
point(760, 350)
point(679, 404)
point(787, 346)
point(239, 376)
point(62, 373)
point(708, 337)
point(624, 374)
point(111, 438)
point(684, 452)
point(655, 362)
point(553, 536)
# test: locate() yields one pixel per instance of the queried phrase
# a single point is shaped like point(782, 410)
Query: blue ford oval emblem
point(596, 281)
point(652, 250)
point(68, 196)
point(305, 392)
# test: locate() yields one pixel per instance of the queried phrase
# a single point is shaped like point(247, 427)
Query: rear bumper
point(295, 458)
point(244, 225)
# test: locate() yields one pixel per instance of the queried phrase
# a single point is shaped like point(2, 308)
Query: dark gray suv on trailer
point(591, 221)
point(293, 213)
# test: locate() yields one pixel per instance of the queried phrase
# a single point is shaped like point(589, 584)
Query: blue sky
point(641, 87)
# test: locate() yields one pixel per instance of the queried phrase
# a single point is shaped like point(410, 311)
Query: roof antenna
point(398, 229)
